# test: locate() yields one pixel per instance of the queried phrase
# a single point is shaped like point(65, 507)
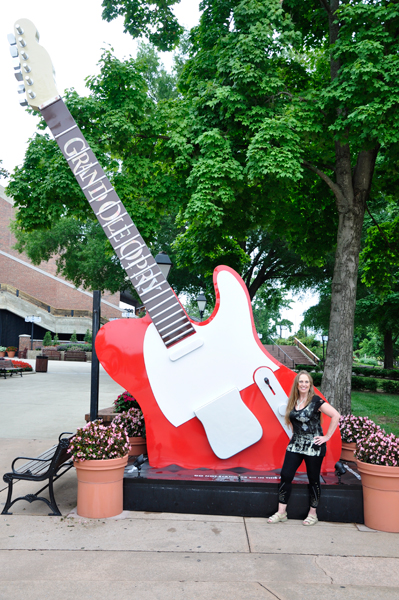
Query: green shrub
point(308, 368)
point(73, 337)
point(366, 371)
point(88, 337)
point(364, 383)
point(390, 373)
point(390, 387)
point(317, 378)
point(47, 341)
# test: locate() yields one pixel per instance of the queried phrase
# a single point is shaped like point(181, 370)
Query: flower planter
point(348, 451)
point(100, 487)
point(380, 496)
point(2, 354)
point(138, 445)
point(10, 353)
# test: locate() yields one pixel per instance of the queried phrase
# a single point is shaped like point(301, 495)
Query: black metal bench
point(50, 465)
point(6, 367)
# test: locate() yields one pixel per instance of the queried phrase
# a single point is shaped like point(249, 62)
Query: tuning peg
point(18, 76)
point(26, 68)
point(21, 89)
point(11, 39)
point(14, 51)
point(31, 94)
point(24, 55)
point(23, 103)
point(19, 29)
point(29, 81)
point(22, 42)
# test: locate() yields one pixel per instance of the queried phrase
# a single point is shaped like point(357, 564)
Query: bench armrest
point(28, 458)
point(65, 433)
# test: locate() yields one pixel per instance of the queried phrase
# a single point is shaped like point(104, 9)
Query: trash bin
point(41, 364)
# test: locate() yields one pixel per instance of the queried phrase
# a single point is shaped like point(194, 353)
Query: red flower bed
point(23, 365)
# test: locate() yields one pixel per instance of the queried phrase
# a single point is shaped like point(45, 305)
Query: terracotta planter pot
point(100, 487)
point(11, 353)
point(380, 496)
point(2, 354)
point(138, 445)
point(348, 451)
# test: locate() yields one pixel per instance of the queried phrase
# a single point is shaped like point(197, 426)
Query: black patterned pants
point(291, 464)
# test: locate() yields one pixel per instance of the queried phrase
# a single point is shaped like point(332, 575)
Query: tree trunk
point(351, 203)
point(388, 350)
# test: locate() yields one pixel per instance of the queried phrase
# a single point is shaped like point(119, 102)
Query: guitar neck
point(165, 310)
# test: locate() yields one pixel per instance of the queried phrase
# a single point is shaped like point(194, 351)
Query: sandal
point(310, 520)
point(277, 518)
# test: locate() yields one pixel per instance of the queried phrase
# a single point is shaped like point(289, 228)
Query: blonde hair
point(294, 395)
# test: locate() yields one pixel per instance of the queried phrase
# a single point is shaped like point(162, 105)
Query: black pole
point(31, 336)
point(95, 367)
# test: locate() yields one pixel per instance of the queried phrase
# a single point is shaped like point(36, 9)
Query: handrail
point(285, 354)
point(56, 312)
point(306, 350)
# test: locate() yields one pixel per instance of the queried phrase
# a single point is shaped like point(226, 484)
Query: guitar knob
point(22, 42)
point(19, 29)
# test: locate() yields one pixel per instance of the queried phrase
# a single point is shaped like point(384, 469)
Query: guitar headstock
point(34, 69)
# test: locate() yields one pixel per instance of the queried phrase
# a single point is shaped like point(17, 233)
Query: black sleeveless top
point(306, 425)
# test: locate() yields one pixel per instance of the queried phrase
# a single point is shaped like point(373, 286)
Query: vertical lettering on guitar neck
point(123, 235)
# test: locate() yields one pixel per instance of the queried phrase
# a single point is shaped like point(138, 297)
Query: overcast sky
point(73, 33)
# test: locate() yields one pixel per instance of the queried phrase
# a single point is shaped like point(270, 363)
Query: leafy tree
point(153, 19)
point(3, 172)
point(88, 337)
point(267, 312)
point(290, 97)
point(73, 337)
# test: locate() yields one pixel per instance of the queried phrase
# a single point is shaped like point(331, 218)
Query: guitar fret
point(85, 168)
point(170, 316)
point(124, 241)
point(133, 264)
point(78, 154)
point(184, 334)
point(146, 280)
point(146, 269)
point(103, 193)
point(160, 304)
point(117, 218)
point(171, 325)
point(157, 296)
point(93, 182)
point(64, 132)
point(173, 330)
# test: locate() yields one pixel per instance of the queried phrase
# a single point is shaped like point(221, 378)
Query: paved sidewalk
point(163, 556)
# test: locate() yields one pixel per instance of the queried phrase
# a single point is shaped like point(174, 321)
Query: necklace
point(299, 404)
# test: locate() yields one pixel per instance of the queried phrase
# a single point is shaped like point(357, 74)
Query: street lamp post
point(32, 319)
point(201, 302)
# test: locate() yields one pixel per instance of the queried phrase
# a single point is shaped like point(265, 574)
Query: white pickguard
point(227, 359)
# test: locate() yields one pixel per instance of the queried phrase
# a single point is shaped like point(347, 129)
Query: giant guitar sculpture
point(211, 395)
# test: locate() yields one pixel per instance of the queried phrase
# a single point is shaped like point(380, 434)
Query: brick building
point(26, 289)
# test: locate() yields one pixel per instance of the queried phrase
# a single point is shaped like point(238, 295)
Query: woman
point(307, 443)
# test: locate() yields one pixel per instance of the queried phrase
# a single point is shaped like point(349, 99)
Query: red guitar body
point(119, 346)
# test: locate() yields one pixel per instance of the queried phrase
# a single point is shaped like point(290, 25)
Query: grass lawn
point(383, 409)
